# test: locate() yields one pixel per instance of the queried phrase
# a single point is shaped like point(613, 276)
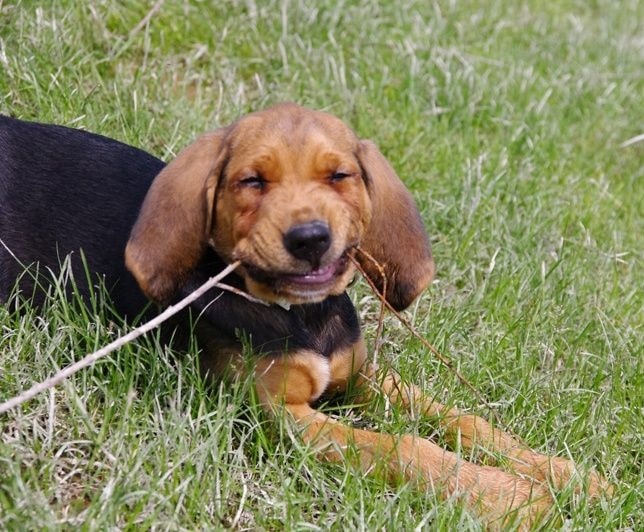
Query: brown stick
point(442, 358)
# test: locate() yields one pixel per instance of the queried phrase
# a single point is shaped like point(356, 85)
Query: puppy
point(299, 200)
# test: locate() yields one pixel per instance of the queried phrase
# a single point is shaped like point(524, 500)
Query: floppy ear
point(395, 237)
point(175, 220)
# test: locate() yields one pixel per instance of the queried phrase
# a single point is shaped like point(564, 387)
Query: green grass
point(506, 120)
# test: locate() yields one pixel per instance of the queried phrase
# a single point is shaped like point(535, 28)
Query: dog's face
point(290, 193)
point(291, 204)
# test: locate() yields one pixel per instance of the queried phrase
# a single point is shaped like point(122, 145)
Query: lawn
point(515, 125)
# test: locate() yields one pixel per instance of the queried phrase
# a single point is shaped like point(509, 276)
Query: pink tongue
point(316, 276)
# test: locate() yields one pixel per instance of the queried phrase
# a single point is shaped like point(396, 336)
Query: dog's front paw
point(562, 472)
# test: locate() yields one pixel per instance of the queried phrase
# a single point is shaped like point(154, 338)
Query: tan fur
point(344, 364)
point(295, 378)
point(173, 227)
point(396, 238)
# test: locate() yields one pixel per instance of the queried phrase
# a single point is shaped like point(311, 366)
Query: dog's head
point(290, 193)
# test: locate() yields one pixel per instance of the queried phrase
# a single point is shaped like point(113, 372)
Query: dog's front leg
point(470, 431)
point(295, 380)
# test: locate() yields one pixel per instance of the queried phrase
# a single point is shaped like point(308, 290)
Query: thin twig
point(89, 359)
point(442, 358)
point(241, 293)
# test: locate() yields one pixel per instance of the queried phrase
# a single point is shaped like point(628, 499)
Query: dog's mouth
point(312, 284)
point(312, 278)
point(316, 276)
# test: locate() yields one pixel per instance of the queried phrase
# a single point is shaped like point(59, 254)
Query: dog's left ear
point(395, 237)
point(174, 224)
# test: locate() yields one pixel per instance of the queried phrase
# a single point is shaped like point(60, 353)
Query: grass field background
point(510, 121)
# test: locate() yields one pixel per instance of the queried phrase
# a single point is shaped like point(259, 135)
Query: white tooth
point(283, 303)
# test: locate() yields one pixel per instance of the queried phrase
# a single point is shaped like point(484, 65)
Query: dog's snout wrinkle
point(308, 241)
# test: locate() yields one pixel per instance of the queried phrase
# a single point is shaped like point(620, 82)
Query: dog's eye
point(254, 181)
point(338, 176)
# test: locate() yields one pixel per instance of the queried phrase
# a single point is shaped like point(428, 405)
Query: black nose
point(308, 241)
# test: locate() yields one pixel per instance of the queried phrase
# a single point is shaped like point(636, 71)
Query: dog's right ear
point(175, 221)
